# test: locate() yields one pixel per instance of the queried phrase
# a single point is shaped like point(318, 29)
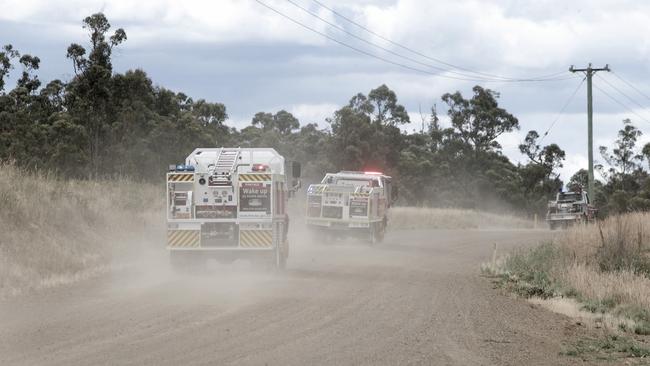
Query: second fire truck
point(350, 202)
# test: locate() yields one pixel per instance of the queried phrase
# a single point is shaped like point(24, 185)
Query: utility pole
point(589, 72)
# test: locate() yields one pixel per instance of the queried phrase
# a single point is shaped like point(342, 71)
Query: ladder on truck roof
point(226, 163)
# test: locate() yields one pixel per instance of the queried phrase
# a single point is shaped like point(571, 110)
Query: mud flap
point(280, 242)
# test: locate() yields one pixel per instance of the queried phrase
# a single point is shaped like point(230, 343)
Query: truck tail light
point(260, 167)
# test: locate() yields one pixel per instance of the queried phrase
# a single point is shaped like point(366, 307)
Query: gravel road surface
point(418, 298)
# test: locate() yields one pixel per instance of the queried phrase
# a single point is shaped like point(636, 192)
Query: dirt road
point(418, 298)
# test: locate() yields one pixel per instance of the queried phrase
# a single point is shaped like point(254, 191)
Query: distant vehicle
point(570, 208)
point(350, 202)
point(229, 203)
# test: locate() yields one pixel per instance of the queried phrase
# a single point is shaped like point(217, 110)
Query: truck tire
point(280, 260)
point(280, 254)
point(382, 230)
point(374, 231)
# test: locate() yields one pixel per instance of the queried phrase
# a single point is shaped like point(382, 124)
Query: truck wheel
point(373, 234)
point(551, 225)
point(280, 258)
point(381, 233)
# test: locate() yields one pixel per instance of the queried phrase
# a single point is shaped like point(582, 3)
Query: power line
point(430, 57)
point(355, 48)
point(566, 104)
point(621, 93)
point(369, 54)
point(621, 104)
point(371, 43)
point(631, 86)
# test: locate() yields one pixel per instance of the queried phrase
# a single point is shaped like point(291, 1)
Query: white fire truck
point(229, 203)
point(350, 202)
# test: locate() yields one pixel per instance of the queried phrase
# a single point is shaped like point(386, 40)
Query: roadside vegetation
point(55, 231)
point(452, 218)
point(604, 266)
point(102, 123)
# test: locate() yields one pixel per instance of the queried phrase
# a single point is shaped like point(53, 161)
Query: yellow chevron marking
point(181, 177)
point(256, 238)
point(183, 238)
point(186, 240)
point(254, 177)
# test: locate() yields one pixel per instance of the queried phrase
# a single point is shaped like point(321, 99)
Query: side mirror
point(394, 193)
point(295, 169)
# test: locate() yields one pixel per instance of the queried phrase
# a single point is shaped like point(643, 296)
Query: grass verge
point(605, 267)
point(610, 347)
point(57, 231)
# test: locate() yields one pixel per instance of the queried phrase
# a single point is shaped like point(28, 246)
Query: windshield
point(569, 197)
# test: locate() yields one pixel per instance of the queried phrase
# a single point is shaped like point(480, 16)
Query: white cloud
point(224, 21)
point(571, 165)
point(492, 36)
point(515, 36)
point(313, 113)
point(510, 144)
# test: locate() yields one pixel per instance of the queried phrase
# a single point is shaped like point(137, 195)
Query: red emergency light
point(260, 167)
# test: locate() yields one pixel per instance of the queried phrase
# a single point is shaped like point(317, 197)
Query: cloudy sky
point(251, 58)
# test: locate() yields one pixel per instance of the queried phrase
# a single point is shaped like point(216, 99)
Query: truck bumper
point(563, 217)
point(226, 236)
point(326, 224)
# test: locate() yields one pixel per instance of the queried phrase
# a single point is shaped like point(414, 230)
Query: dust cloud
point(143, 265)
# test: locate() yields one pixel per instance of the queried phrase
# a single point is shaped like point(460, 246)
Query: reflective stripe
point(183, 238)
point(256, 238)
point(254, 177)
point(183, 177)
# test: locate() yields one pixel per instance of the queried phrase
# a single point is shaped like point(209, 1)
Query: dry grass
point(618, 243)
point(609, 261)
point(451, 218)
point(618, 287)
point(572, 308)
point(606, 266)
point(56, 231)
